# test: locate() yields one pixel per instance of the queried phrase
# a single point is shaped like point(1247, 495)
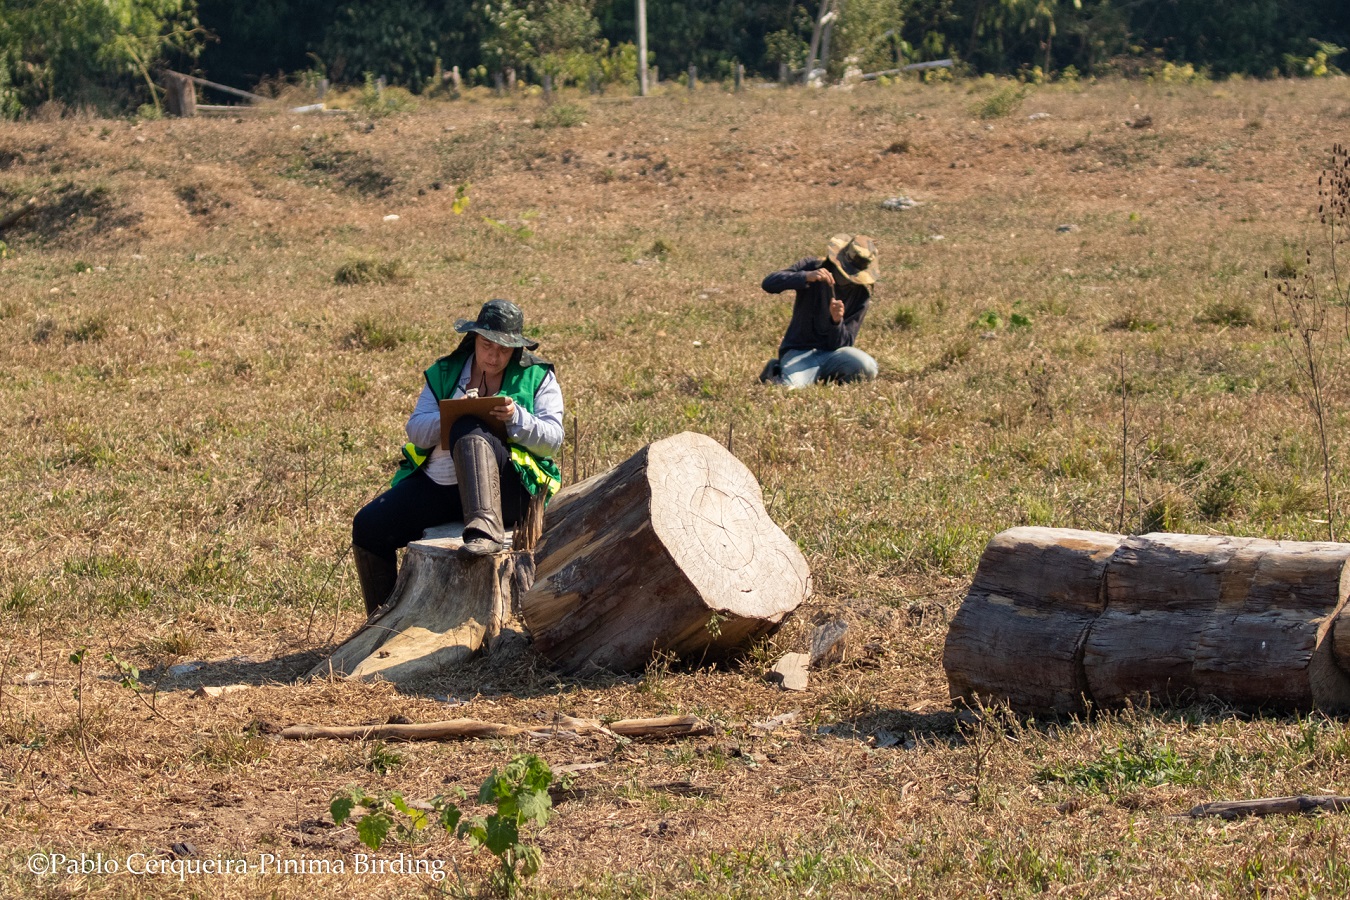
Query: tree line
point(105, 53)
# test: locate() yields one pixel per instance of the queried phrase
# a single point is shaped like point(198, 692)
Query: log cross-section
point(671, 551)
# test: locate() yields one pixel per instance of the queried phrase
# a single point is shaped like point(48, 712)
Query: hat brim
point(865, 277)
point(857, 276)
point(464, 326)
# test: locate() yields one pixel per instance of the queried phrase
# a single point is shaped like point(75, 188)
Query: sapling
point(519, 792)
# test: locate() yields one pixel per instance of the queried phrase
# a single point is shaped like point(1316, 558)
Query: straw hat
point(855, 256)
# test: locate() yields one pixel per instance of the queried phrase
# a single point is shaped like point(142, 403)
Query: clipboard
point(451, 410)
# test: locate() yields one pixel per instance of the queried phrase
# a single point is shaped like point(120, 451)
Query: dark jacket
point(811, 327)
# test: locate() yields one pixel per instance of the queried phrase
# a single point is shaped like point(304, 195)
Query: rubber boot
point(377, 576)
point(480, 492)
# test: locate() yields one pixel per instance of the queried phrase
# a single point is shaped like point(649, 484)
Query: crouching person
point(833, 294)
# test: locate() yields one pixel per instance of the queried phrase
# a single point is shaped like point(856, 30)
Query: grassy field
point(211, 332)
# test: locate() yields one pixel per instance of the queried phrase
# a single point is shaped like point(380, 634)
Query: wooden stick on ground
point(1280, 806)
point(13, 216)
point(471, 729)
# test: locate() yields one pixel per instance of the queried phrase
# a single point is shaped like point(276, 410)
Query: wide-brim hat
point(855, 256)
point(501, 322)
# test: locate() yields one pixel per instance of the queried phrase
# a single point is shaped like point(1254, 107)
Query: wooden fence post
point(693, 77)
point(738, 78)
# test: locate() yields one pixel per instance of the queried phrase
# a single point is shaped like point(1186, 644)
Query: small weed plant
point(1135, 764)
point(1003, 102)
point(519, 792)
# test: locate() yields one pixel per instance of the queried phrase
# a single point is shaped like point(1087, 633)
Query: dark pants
point(417, 503)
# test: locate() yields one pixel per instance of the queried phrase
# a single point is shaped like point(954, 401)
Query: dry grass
point(193, 406)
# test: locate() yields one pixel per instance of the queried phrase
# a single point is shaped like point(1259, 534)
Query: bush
point(369, 333)
point(561, 115)
point(1002, 102)
point(370, 271)
point(376, 102)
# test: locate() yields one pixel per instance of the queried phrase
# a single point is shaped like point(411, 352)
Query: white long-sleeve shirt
point(540, 432)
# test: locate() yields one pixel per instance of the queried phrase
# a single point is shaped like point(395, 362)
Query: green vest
point(521, 380)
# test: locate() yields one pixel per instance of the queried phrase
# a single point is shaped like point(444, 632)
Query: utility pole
point(642, 46)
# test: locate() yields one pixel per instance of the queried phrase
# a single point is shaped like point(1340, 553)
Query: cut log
point(1243, 620)
point(1056, 620)
point(442, 611)
point(671, 552)
point(1018, 637)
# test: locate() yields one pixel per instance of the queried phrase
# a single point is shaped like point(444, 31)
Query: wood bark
point(1243, 620)
point(672, 552)
point(442, 611)
point(1056, 621)
point(180, 95)
point(1018, 637)
point(1272, 806)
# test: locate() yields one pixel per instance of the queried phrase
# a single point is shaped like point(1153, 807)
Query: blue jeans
point(801, 368)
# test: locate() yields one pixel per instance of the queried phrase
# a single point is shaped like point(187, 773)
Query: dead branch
point(13, 216)
point(1271, 806)
point(564, 727)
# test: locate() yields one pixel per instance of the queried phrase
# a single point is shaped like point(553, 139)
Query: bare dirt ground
point(195, 398)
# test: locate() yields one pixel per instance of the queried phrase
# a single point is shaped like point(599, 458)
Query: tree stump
point(180, 95)
point(443, 610)
point(671, 551)
point(1058, 620)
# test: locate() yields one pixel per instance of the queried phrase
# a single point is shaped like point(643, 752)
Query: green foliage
point(1229, 314)
point(461, 201)
point(381, 760)
point(561, 115)
point(101, 52)
point(1004, 101)
point(385, 811)
point(519, 792)
point(906, 318)
point(399, 41)
point(378, 102)
point(1125, 767)
point(365, 270)
point(370, 333)
point(866, 36)
point(785, 47)
point(1318, 65)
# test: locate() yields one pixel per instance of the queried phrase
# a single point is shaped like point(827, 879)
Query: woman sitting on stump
point(482, 480)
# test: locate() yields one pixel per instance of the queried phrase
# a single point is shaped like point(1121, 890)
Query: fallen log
point(1271, 806)
point(1018, 637)
point(1058, 621)
point(15, 215)
point(670, 552)
point(471, 729)
point(442, 611)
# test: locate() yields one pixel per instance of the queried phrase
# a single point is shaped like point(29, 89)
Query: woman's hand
point(504, 412)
